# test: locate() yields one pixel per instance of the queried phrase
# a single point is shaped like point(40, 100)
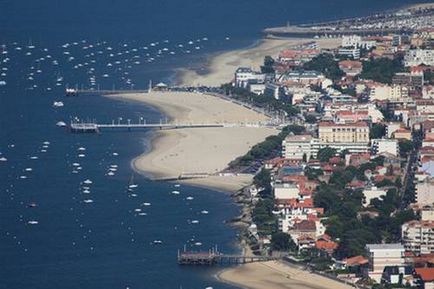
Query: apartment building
point(418, 236)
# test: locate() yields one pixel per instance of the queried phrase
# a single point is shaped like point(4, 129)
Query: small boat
point(146, 204)
point(198, 244)
point(32, 205)
point(189, 198)
point(204, 212)
point(88, 201)
point(110, 173)
point(61, 124)
point(195, 222)
point(131, 185)
point(58, 104)
point(32, 222)
point(3, 159)
point(87, 182)
point(158, 242)
point(175, 192)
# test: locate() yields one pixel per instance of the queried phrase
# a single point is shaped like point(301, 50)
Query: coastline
point(198, 151)
point(221, 67)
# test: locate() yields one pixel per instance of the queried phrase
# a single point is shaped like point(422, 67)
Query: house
point(372, 193)
point(402, 133)
point(425, 277)
point(351, 67)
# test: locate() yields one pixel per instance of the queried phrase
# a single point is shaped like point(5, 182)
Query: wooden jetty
point(213, 257)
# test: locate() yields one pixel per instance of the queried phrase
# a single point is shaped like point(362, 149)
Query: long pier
point(215, 258)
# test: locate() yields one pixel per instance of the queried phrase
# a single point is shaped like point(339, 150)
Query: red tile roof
point(426, 274)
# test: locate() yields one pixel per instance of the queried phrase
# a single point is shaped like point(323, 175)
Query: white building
point(350, 52)
point(415, 57)
point(391, 127)
point(244, 76)
point(286, 191)
point(418, 236)
point(382, 255)
point(390, 146)
point(357, 41)
point(372, 193)
point(294, 147)
point(425, 192)
point(257, 88)
point(388, 92)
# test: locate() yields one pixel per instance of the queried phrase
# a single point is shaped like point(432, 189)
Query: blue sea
point(66, 218)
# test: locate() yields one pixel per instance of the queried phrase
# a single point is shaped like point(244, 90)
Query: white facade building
point(390, 146)
point(244, 76)
point(286, 191)
point(418, 236)
point(294, 147)
point(415, 57)
point(382, 255)
point(425, 192)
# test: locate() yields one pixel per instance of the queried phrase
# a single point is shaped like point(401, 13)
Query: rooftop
point(391, 246)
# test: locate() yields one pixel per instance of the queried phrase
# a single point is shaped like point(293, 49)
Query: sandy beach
point(277, 275)
point(199, 150)
point(221, 68)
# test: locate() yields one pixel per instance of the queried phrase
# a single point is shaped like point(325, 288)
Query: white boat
point(158, 242)
point(177, 185)
point(110, 173)
point(87, 182)
point(46, 143)
point(204, 212)
point(195, 221)
point(34, 158)
point(198, 244)
point(32, 222)
point(143, 214)
point(88, 201)
point(86, 192)
point(58, 104)
point(175, 192)
point(28, 169)
point(115, 154)
point(23, 177)
point(137, 210)
point(61, 124)
point(81, 155)
point(2, 82)
point(3, 159)
point(81, 149)
point(189, 198)
point(146, 204)
point(76, 164)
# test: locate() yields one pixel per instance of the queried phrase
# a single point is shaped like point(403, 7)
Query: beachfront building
point(381, 256)
point(244, 76)
point(299, 147)
point(415, 57)
point(380, 146)
point(353, 137)
point(356, 41)
point(297, 57)
point(302, 77)
point(418, 236)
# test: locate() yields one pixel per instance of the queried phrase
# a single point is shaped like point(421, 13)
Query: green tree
point(326, 64)
point(377, 131)
point(405, 146)
point(382, 69)
point(326, 153)
point(282, 242)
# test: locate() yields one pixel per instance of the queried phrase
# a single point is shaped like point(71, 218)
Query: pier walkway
point(216, 258)
point(92, 127)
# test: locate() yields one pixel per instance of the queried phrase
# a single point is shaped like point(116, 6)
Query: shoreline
point(173, 153)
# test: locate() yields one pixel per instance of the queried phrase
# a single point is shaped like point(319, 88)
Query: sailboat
point(131, 184)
